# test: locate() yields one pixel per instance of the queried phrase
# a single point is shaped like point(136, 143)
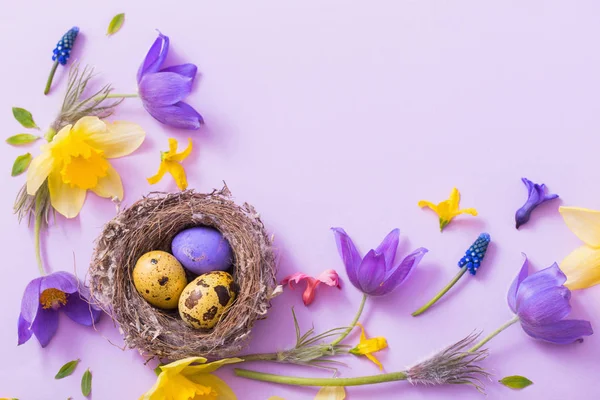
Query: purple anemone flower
point(542, 303)
point(42, 300)
point(375, 274)
point(536, 195)
point(162, 90)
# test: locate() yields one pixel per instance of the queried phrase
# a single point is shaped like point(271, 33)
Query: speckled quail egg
point(159, 278)
point(206, 298)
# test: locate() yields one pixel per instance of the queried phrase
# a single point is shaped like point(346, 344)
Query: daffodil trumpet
point(471, 262)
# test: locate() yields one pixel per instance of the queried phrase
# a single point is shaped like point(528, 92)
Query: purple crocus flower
point(536, 195)
point(162, 90)
point(375, 274)
point(42, 300)
point(542, 303)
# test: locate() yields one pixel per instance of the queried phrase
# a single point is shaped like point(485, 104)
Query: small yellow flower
point(326, 393)
point(448, 209)
point(582, 266)
point(170, 162)
point(76, 160)
point(368, 346)
point(182, 381)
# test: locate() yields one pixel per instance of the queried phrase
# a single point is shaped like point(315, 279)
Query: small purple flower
point(44, 297)
point(542, 303)
point(162, 90)
point(536, 195)
point(375, 274)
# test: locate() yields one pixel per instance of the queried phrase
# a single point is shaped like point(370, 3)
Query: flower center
point(53, 298)
point(83, 171)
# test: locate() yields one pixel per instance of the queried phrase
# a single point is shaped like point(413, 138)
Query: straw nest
point(150, 224)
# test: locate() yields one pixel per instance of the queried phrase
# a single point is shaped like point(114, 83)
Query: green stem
point(354, 321)
point(39, 215)
point(50, 133)
point(260, 357)
point(51, 77)
point(441, 293)
point(493, 334)
point(119, 96)
point(292, 380)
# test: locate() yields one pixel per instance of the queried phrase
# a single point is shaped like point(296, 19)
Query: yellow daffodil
point(326, 393)
point(76, 160)
point(582, 266)
point(170, 162)
point(182, 381)
point(366, 347)
point(448, 209)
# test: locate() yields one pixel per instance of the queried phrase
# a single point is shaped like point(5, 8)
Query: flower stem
point(260, 357)
point(493, 334)
point(354, 321)
point(120, 96)
point(441, 293)
point(51, 77)
point(296, 381)
point(39, 215)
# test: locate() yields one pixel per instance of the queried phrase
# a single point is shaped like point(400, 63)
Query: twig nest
point(151, 224)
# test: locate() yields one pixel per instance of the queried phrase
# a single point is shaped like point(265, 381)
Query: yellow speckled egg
point(206, 298)
point(159, 278)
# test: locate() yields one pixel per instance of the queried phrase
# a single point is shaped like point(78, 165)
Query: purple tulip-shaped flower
point(42, 300)
point(536, 195)
point(542, 303)
point(162, 90)
point(376, 274)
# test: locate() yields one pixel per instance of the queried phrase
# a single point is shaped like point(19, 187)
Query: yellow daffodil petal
point(582, 268)
point(471, 211)
point(156, 391)
point(220, 389)
point(210, 367)
point(177, 366)
point(331, 393)
point(84, 171)
point(428, 204)
point(88, 125)
point(275, 398)
point(375, 360)
point(110, 185)
point(172, 147)
point(184, 154)
point(65, 199)
point(162, 170)
point(178, 174)
point(454, 199)
point(119, 139)
point(584, 223)
point(178, 387)
point(371, 345)
point(38, 171)
point(363, 335)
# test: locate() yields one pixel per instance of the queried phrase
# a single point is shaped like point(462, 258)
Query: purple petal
point(179, 115)
point(45, 325)
point(514, 288)
point(546, 307)
point(550, 277)
point(371, 272)
point(164, 88)
point(401, 272)
point(63, 281)
point(155, 57)
point(389, 246)
point(536, 195)
point(80, 311)
point(561, 332)
point(189, 70)
point(349, 255)
point(31, 300)
point(24, 333)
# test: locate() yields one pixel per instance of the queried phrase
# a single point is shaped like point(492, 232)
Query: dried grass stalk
point(150, 224)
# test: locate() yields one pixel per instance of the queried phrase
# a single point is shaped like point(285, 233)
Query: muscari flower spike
point(61, 53)
point(471, 262)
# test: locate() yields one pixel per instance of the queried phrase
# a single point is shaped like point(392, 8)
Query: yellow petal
point(454, 199)
point(119, 139)
point(110, 185)
point(87, 126)
point(156, 392)
point(428, 204)
point(65, 199)
point(162, 170)
point(275, 398)
point(376, 361)
point(471, 211)
point(582, 268)
point(38, 171)
point(178, 173)
point(219, 386)
point(331, 393)
point(172, 147)
point(363, 335)
point(210, 367)
point(177, 366)
point(371, 345)
point(584, 223)
point(184, 154)
point(179, 387)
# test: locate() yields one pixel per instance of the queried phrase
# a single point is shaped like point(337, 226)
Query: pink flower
point(328, 277)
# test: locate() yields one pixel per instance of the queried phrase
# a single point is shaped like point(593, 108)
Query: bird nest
point(150, 224)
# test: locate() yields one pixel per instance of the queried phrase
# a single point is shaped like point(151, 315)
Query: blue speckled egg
point(202, 249)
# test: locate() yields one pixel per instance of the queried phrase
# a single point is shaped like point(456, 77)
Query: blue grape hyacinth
point(61, 53)
point(474, 256)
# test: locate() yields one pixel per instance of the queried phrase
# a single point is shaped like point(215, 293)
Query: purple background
point(325, 113)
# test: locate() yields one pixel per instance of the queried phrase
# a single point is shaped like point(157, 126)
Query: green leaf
point(22, 138)
point(515, 382)
point(67, 369)
point(115, 24)
point(20, 165)
point(24, 117)
point(86, 383)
